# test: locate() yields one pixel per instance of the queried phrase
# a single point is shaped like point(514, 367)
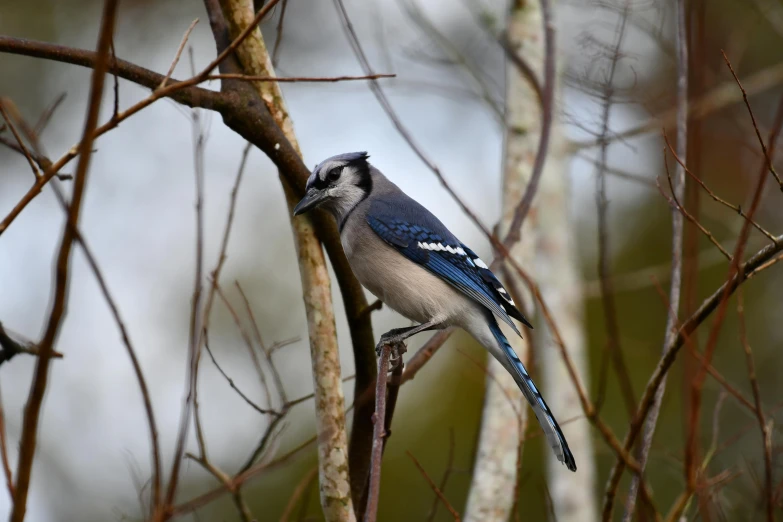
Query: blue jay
point(409, 260)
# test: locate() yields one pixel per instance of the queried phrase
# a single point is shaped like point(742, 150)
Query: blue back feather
point(422, 238)
point(529, 389)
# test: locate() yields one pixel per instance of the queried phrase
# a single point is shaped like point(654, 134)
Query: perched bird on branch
point(408, 259)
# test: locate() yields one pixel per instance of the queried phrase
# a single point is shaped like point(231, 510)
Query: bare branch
point(613, 346)
point(378, 419)
point(335, 491)
point(773, 133)
point(675, 204)
point(435, 488)
point(59, 302)
point(766, 437)
point(178, 53)
point(715, 197)
point(9, 479)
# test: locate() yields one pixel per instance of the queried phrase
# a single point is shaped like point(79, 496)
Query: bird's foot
point(397, 350)
point(392, 338)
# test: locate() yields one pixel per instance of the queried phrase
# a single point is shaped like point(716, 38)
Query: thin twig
point(604, 261)
point(746, 271)
point(773, 133)
point(59, 302)
point(9, 479)
point(178, 53)
point(298, 79)
point(403, 131)
point(239, 502)
point(25, 152)
point(446, 474)
point(279, 34)
point(231, 383)
point(261, 447)
point(715, 197)
point(692, 350)
point(116, 105)
point(306, 480)
point(43, 120)
point(675, 288)
point(12, 347)
point(425, 353)
point(716, 99)
point(207, 312)
point(675, 204)
point(766, 437)
point(709, 350)
point(195, 333)
point(249, 345)
point(267, 352)
point(435, 488)
point(431, 31)
point(238, 480)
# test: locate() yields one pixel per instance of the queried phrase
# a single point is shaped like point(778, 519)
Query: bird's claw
point(395, 359)
point(398, 348)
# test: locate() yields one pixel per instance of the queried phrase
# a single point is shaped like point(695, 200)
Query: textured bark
point(334, 482)
point(558, 275)
point(547, 250)
point(492, 490)
point(556, 269)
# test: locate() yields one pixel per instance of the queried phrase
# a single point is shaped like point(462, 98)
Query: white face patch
point(345, 193)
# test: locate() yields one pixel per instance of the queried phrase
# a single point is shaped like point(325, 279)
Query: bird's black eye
point(334, 174)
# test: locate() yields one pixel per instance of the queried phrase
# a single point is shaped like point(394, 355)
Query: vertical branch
point(765, 428)
point(604, 251)
point(697, 56)
point(691, 458)
point(9, 479)
point(379, 433)
point(558, 275)
point(316, 286)
point(196, 317)
point(492, 489)
point(62, 273)
point(678, 188)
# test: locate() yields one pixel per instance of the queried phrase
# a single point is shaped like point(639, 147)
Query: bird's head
point(337, 184)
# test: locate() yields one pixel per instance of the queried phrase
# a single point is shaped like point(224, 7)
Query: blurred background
point(93, 451)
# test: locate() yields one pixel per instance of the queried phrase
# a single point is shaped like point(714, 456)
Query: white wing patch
point(505, 295)
point(480, 263)
point(442, 248)
point(473, 261)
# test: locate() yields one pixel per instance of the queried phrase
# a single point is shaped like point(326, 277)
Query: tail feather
point(547, 421)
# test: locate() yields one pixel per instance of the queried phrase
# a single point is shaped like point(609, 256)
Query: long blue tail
point(545, 418)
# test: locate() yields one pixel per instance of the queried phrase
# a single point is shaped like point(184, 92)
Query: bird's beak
point(311, 200)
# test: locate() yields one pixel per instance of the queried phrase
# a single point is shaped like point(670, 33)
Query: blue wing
point(420, 237)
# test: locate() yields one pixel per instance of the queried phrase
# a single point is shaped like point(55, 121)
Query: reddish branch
point(677, 188)
point(245, 113)
point(435, 488)
point(378, 419)
point(709, 350)
point(747, 270)
point(57, 313)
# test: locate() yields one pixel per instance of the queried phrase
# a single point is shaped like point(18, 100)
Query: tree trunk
point(333, 477)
